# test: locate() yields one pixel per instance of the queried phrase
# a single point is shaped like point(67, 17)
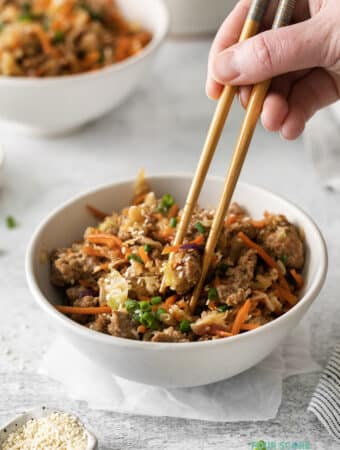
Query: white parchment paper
point(253, 395)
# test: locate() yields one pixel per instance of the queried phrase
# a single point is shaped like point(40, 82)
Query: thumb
point(269, 54)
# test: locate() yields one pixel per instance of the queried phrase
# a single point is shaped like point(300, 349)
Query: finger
point(269, 54)
point(280, 85)
point(226, 36)
point(313, 92)
point(275, 111)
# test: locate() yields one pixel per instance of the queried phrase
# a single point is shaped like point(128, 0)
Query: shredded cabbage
point(113, 289)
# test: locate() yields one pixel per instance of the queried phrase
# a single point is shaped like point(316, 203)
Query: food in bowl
point(42, 38)
point(111, 279)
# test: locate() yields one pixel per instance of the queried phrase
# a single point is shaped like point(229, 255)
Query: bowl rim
point(309, 295)
point(150, 48)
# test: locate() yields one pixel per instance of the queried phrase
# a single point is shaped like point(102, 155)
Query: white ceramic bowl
point(171, 364)
point(56, 105)
point(38, 413)
point(193, 17)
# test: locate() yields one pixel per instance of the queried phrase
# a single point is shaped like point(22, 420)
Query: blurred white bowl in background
point(198, 16)
point(57, 105)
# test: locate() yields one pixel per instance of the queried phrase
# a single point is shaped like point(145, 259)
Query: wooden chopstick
point(250, 28)
point(254, 108)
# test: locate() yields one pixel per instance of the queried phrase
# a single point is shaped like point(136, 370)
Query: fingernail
point(225, 67)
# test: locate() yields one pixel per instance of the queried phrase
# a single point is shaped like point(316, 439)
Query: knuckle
point(262, 53)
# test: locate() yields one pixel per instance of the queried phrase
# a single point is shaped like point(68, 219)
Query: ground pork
point(283, 242)
point(169, 335)
point(122, 325)
point(70, 265)
point(237, 280)
point(186, 271)
point(84, 302)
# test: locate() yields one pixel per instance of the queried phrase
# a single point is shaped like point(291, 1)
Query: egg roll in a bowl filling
point(110, 280)
point(45, 38)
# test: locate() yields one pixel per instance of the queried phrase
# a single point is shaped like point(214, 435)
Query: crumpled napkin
point(233, 400)
point(322, 140)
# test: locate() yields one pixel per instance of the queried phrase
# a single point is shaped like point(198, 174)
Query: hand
point(303, 59)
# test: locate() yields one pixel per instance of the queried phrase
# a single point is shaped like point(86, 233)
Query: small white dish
point(37, 413)
point(171, 364)
point(58, 105)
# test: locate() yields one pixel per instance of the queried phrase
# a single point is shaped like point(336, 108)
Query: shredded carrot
point(168, 302)
point(84, 310)
point(182, 304)
point(171, 300)
point(173, 211)
point(143, 254)
point(141, 329)
point(199, 240)
point(232, 218)
point(139, 199)
point(221, 333)
point(170, 249)
point(259, 223)
point(241, 317)
point(211, 305)
point(267, 258)
point(91, 251)
point(96, 212)
point(285, 294)
point(43, 38)
point(105, 267)
point(104, 239)
point(259, 250)
point(297, 278)
point(217, 281)
point(169, 231)
point(249, 326)
point(216, 330)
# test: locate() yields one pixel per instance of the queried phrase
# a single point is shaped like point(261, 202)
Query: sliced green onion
point(166, 202)
point(101, 59)
point(11, 222)
point(223, 308)
point(284, 259)
point(173, 222)
point(93, 14)
point(199, 227)
point(131, 305)
point(134, 257)
point(156, 300)
point(137, 315)
point(184, 326)
point(160, 311)
point(212, 294)
point(149, 320)
point(59, 36)
point(147, 248)
point(145, 306)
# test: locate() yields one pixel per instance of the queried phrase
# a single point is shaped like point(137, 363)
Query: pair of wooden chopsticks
point(251, 27)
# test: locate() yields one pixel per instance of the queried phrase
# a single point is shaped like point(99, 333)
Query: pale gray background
point(162, 128)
